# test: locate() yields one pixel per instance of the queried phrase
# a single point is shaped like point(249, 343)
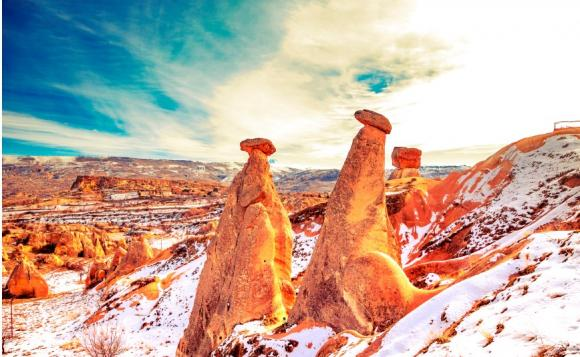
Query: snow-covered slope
point(506, 232)
point(519, 307)
point(535, 179)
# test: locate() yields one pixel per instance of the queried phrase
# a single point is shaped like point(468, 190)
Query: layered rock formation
point(26, 282)
point(108, 187)
point(406, 161)
point(354, 280)
point(73, 240)
point(247, 273)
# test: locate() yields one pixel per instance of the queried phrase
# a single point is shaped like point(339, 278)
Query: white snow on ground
point(155, 326)
point(537, 310)
point(303, 247)
point(46, 327)
point(254, 337)
point(411, 237)
point(64, 281)
point(534, 191)
point(540, 310)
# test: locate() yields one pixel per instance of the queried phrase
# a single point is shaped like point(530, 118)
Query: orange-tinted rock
point(100, 187)
point(354, 280)
point(406, 158)
point(374, 119)
point(120, 253)
point(26, 282)
point(406, 162)
point(247, 273)
point(409, 208)
point(70, 244)
point(71, 240)
point(264, 145)
point(97, 272)
point(138, 253)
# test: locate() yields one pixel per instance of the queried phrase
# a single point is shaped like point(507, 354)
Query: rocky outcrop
point(26, 282)
point(247, 273)
point(101, 268)
point(138, 253)
point(118, 257)
point(406, 161)
point(354, 280)
point(72, 240)
point(97, 272)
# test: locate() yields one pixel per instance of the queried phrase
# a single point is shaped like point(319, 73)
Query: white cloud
point(479, 75)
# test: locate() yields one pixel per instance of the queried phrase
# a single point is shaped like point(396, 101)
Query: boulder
point(406, 161)
point(247, 273)
point(374, 119)
point(354, 280)
point(26, 282)
point(97, 272)
point(260, 144)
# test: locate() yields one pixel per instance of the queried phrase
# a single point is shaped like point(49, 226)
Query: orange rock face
point(139, 252)
point(354, 280)
point(406, 161)
point(26, 282)
point(247, 273)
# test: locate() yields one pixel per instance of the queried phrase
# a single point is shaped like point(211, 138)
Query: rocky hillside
point(497, 245)
point(29, 179)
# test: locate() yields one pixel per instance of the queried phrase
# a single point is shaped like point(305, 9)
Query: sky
point(190, 79)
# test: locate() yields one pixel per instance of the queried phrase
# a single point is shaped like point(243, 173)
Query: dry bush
point(103, 340)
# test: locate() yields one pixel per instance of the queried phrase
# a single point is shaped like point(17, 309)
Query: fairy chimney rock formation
point(26, 282)
point(406, 161)
point(247, 273)
point(355, 280)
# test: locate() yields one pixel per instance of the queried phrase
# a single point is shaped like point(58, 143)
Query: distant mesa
point(247, 273)
point(406, 161)
point(109, 188)
point(354, 280)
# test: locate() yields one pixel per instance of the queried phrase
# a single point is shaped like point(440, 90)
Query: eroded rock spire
point(354, 280)
point(247, 273)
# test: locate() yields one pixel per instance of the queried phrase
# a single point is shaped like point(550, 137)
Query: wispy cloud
point(457, 78)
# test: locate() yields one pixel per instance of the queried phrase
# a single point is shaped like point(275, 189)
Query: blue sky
point(190, 79)
point(54, 49)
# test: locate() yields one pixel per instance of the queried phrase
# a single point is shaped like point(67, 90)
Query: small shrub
point(103, 340)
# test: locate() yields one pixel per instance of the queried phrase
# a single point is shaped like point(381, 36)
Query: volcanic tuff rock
point(406, 161)
point(97, 272)
point(25, 281)
point(138, 253)
point(71, 240)
point(354, 280)
point(247, 273)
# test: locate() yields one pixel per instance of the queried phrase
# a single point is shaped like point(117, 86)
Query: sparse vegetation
point(103, 340)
